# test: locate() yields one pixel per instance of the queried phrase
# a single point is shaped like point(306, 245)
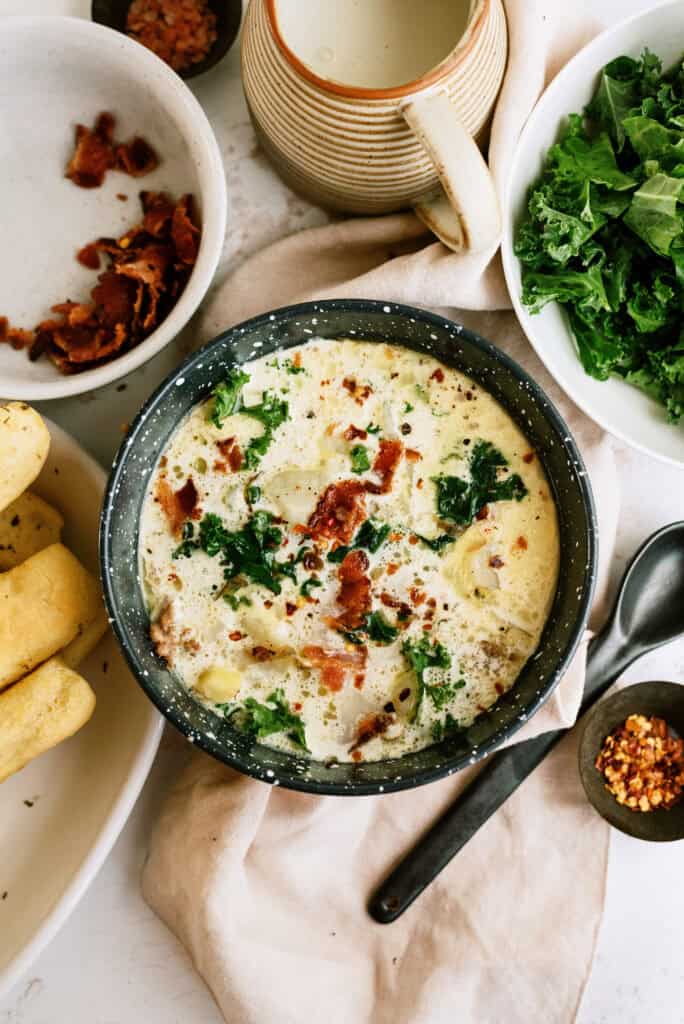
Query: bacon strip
point(335, 665)
point(385, 465)
point(340, 510)
point(177, 505)
point(355, 589)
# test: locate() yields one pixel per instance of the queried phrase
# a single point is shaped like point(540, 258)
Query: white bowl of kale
point(594, 231)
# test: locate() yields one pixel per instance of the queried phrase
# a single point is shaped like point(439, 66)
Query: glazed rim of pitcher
point(476, 22)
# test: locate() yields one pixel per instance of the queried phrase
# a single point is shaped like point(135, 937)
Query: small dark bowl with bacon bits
point(631, 760)
point(191, 36)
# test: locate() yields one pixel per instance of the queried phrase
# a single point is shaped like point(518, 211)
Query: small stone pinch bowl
point(664, 700)
point(113, 13)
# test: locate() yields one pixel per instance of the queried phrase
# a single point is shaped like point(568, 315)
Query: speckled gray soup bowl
point(192, 382)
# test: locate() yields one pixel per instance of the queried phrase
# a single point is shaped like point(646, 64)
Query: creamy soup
point(373, 44)
point(350, 550)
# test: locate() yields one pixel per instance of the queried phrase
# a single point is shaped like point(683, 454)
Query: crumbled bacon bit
point(17, 337)
point(147, 273)
point(355, 589)
point(136, 157)
point(177, 505)
point(162, 634)
point(334, 665)
point(427, 626)
point(359, 680)
point(93, 154)
point(405, 693)
point(96, 153)
point(499, 689)
point(352, 433)
point(359, 393)
point(392, 567)
point(236, 635)
point(483, 513)
point(528, 457)
point(385, 465)
point(181, 32)
point(357, 755)
point(417, 596)
point(339, 511)
point(412, 455)
point(521, 543)
point(403, 610)
point(413, 539)
point(437, 375)
point(290, 608)
point(496, 563)
point(89, 257)
point(264, 654)
point(122, 197)
point(369, 727)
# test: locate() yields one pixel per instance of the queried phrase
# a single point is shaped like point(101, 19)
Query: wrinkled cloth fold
point(266, 888)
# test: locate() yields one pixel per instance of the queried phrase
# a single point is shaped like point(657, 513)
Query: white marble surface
point(114, 962)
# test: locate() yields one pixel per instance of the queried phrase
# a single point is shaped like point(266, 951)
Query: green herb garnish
point(374, 627)
point(379, 630)
point(441, 694)
point(373, 428)
point(420, 656)
point(359, 459)
point(248, 552)
point(604, 235)
point(308, 585)
point(408, 407)
point(262, 720)
point(371, 536)
point(436, 543)
point(442, 729)
point(292, 367)
point(227, 396)
point(271, 412)
point(460, 500)
point(253, 494)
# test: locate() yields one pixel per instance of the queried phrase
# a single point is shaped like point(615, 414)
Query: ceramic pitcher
point(377, 148)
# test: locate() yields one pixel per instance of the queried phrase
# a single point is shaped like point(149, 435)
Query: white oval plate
point(618, 407)
point(54, 73)
point(60, 816)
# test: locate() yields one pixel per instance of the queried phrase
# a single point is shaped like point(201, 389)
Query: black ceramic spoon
point(649, 612)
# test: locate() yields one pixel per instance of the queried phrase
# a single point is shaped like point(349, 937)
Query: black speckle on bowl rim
point(373, 321)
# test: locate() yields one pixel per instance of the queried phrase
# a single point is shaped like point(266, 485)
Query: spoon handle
point(500, 777)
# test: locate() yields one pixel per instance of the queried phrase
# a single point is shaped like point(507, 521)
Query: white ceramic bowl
point(55, 72)
point(618, 407)
point(82, 791)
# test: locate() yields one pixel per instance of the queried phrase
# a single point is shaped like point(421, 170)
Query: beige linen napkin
point(266, 888)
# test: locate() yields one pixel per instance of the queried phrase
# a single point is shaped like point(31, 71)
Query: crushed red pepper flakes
point(643, 764)
point(180, 32)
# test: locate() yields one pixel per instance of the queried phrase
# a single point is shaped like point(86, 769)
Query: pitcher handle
point(465, 215)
